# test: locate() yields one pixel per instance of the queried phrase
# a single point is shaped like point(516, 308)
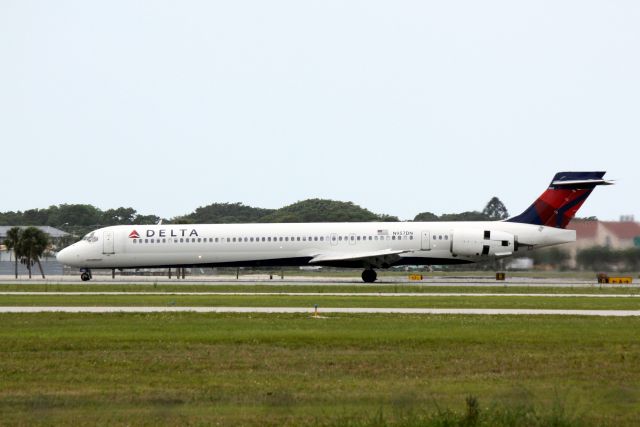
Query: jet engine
point(473, 243)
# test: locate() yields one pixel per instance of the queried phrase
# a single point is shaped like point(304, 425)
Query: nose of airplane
point(65, 256)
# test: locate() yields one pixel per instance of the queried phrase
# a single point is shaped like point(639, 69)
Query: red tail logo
point(560, 202)
point(134, 235)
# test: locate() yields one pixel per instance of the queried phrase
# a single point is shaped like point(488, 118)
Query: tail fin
point(560, 202)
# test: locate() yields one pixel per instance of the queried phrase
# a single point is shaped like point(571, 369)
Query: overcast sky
point(399, 106)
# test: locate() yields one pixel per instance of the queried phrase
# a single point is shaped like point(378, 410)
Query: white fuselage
point(364, 244)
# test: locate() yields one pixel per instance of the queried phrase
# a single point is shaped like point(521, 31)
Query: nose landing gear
point(85, 275)
point(369, 275)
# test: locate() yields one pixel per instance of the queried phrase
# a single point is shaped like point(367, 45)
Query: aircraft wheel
point(369, 276)
point(85, 276)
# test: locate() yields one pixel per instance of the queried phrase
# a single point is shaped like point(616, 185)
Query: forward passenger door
point(107, 242)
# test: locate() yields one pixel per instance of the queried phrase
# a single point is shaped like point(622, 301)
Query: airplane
point(366, 245)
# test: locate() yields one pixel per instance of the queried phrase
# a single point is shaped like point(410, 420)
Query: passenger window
point(358, 237)
point(321, 238)
point(434, 237)
point(280, 239)
point(376, 238)
point(216, 240)
point(181, 240)
point(333, 238)
point(446, 237)
point(393, 238)
point(315, 239)
point(134, 240)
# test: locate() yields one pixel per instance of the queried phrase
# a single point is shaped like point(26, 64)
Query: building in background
point(616, 235)
point(54, 234)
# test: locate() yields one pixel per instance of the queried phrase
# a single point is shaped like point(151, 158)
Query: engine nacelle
point(478, 242)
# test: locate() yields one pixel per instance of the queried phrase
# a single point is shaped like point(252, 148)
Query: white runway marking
point(310, 310)
point(330, 294)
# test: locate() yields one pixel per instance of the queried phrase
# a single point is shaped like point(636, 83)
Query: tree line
point(79, 219)
point(602, 258)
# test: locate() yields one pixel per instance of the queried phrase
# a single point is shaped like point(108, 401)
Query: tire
point(369, 276)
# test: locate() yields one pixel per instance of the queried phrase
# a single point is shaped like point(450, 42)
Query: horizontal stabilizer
point(581, 183)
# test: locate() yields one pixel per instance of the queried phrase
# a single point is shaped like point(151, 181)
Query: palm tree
point(12, 242)
point(33, 243)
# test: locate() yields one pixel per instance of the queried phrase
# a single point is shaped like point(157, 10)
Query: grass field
point(187, 368)
point(575, 303)
point(358, 370)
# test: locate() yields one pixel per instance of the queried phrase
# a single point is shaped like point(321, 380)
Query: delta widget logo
point(134, 235)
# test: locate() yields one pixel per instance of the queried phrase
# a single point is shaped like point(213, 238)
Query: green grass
point(236, 287)
point(323, 301)
point(188, 368)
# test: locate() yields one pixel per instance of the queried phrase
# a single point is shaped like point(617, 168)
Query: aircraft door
point(426, 241)
point(107, 242)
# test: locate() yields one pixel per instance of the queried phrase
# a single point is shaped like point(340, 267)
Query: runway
point(325, 294)
point(306, 280)
point(328, 310)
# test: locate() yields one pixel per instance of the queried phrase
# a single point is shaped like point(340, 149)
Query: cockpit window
point(91, 237)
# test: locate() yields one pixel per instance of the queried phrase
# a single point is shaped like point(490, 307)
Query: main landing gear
point(85, 275)
point(369, 275)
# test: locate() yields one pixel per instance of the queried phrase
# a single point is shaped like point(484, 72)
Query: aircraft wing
point(352, 256)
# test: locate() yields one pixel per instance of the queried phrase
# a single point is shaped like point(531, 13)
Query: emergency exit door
point(426, 241)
